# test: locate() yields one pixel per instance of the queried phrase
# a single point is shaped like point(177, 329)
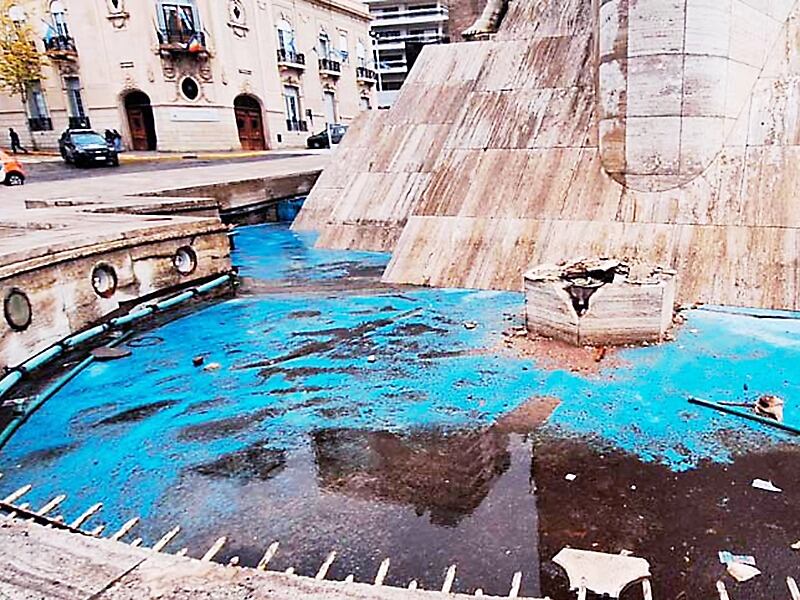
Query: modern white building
point(399, 29)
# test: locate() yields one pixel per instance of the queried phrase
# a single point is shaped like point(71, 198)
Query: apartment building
point(399, 29)
point(187, 75)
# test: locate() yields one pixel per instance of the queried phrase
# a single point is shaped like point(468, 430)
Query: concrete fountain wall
point(665, 132)
point(49, 256)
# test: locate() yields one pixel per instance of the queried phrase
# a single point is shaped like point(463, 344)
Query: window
point(324, 45)
point(344, 53)
point(291, 96)
point(59, 18)
point(361, 54)
point(17, 14)
point(178, 17)
point(36, 102)
point(74, 97)
point(190, 89)
point(286, 36)
point(329, 103)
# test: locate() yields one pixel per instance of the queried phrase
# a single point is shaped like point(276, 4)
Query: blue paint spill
point(125, 433)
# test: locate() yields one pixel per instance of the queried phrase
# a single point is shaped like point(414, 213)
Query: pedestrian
point(109, 135)
point(117, 141)
point(15, 144)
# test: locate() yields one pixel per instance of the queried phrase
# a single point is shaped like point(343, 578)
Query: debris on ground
point(212, 367)
point(470, 325)
point(742, 572)
point(727, 558)
point(571, 477)
point(198, 360)
point(795, 546)
point(765, 485)
point(372, 358)
point(770, 407)
point(104, 353)
point(600, 353)
point(602, 573)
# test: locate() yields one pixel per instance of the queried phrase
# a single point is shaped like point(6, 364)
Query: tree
point(21, 63)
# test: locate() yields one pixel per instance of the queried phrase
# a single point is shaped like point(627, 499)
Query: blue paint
point(429, 372)
point(288, 209)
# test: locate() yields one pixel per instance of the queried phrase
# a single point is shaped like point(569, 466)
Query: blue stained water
point(139, 432)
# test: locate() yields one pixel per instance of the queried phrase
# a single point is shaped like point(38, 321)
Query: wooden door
point(251, 128)
point(138, 125)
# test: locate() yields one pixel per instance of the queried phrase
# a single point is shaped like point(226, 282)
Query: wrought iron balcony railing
point(40, 124)
point(80, 123)
point(182, 40)
point(294, 125)
point(365, 74)
point(287, 57)
point(328, 65)
point(61, 46)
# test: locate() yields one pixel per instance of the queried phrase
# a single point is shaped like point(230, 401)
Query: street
point(58, 170)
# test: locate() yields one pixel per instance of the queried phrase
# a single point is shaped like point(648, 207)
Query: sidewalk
point(136, 156)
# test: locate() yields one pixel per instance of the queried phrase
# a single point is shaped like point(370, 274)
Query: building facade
point(188, 75)
point(399, 29)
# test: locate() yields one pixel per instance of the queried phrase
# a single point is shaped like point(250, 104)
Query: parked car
point(11, 170)
point(84, 147)
point(320, 140)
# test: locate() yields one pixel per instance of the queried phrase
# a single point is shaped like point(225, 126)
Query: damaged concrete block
point(600, 302)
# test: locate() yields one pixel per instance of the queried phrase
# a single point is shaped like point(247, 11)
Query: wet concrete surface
point(369, 420)
point(59, 170)
point(677, 521)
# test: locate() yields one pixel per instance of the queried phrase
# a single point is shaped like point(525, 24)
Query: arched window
point(58, 13)
point(361, 54)
point(324, 44)
point(17, 14)
point(286, 36)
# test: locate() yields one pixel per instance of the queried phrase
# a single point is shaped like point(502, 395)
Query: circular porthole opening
point(17, 310)
point(104, 280)
point(185, 260)
point(190, 89)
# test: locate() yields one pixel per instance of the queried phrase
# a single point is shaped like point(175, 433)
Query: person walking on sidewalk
point(15, 144)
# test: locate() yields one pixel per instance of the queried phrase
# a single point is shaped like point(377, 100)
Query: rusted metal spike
point(449, 577)
point(168, 537)
point(14, 496)
point(262, 564)
point(516, 582)
point(87, 514)
point(214, 550)
point(323, 570)
point(125, 529)
point(50, 506)
point(382, 571)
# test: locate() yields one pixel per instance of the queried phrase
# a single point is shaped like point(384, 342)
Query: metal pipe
point(745, 415)
point(20, 420)
point(85, 336)
point(174, 301)
point(12, 378)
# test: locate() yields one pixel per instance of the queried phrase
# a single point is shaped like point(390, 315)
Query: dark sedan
point(84, 147)
point(320, 140)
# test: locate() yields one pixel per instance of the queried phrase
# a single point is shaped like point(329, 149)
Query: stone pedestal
point(600, 302)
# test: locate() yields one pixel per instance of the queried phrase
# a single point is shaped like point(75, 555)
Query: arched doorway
point(141, 121)
point(249, 122)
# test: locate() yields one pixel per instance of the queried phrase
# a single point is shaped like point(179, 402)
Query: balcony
point(40, 124)
point(294, 125)
point(79, 123)
point(174, 41)
point(61, 47)
point(365, 75)
point(291, 60)
point(328, 66)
